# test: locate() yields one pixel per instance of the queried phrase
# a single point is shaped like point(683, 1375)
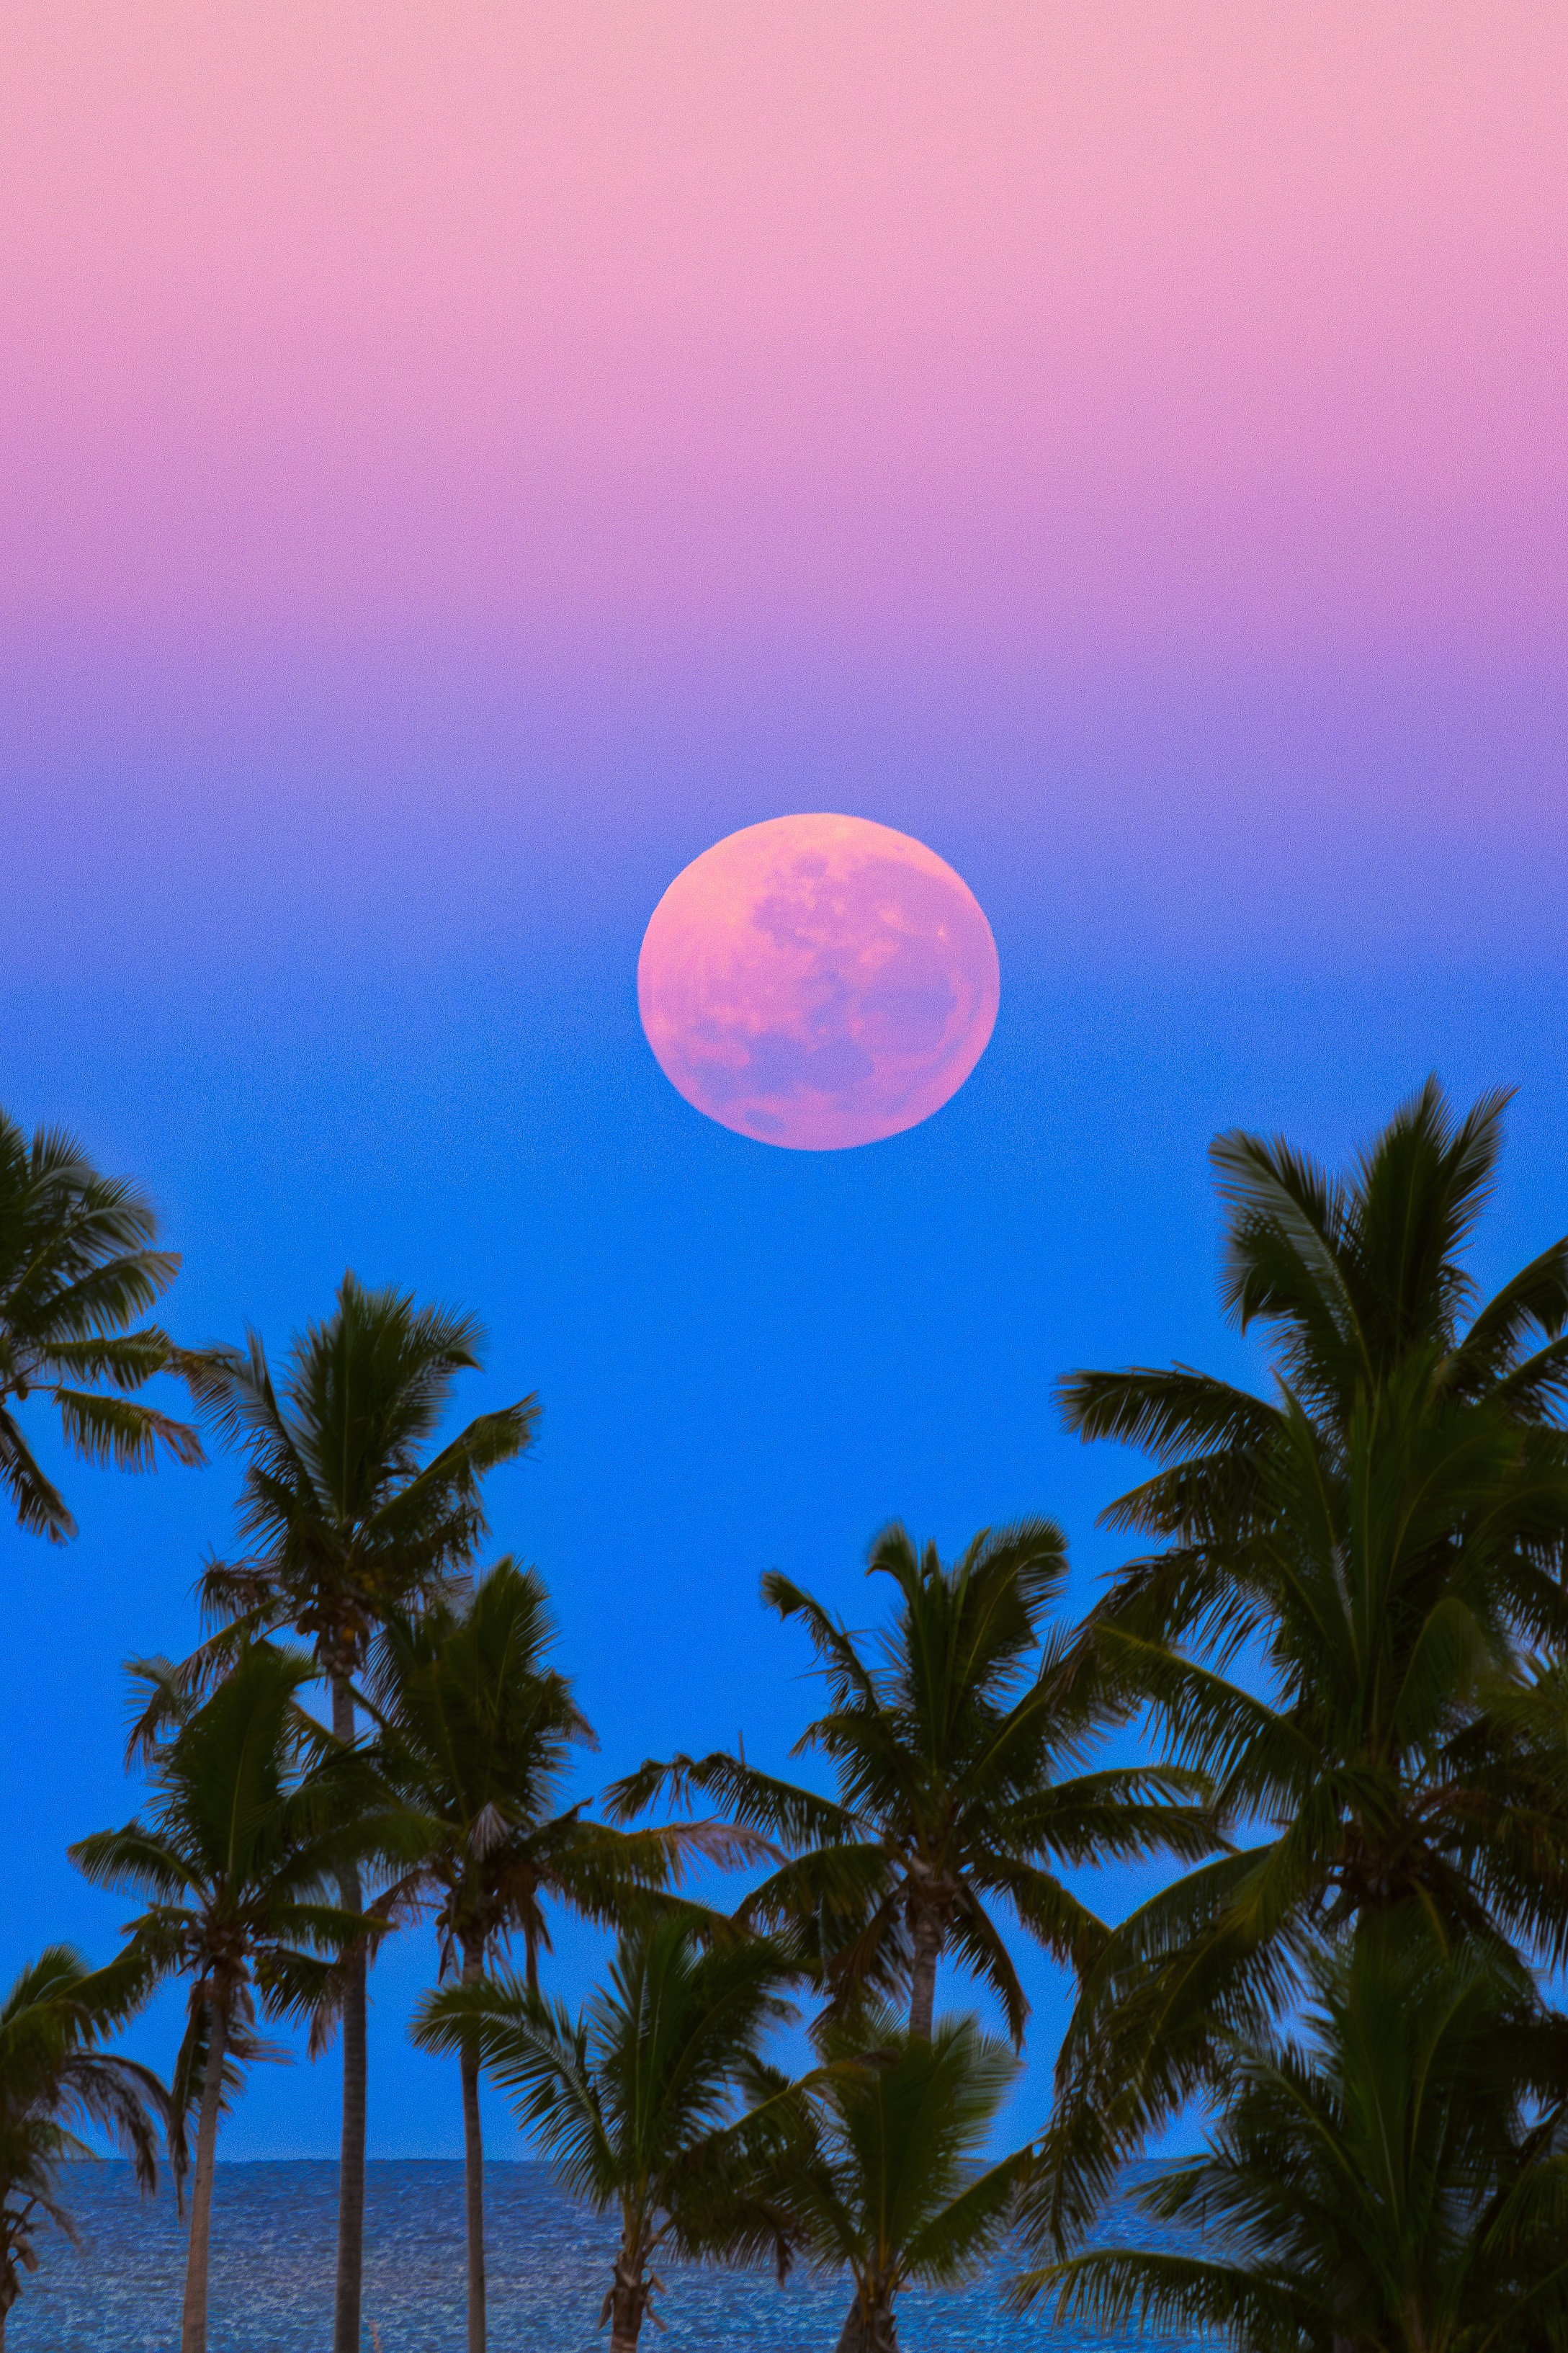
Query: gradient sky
point(457, 462)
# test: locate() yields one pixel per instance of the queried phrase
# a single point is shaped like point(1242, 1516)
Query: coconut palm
point(955, 1746)
point(886, 2182)
point(638, 2099)
point(256, 1808)
point(1381, 1537)
point(345, 1516)
point(55, 2077)
point(77, 1269)
point(476, 1730)
point(1397, 2181)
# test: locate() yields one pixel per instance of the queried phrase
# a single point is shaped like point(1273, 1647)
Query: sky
point(457, 463)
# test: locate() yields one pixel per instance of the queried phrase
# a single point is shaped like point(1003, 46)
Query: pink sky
point(839, 331)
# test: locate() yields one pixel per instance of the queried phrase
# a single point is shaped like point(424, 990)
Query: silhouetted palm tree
point(888, 2182)
point(256, 1811)
point(949, 1750)
point(1397, 2181)
point(1382, 1536)
point(639, 2100)
point(77, 1268)
point(53, 2076)
point(346, 1518)
point(476, 1733)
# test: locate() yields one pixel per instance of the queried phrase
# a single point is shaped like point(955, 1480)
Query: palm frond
point(776, 1809)
point(116, 1431)
point(39, 1507)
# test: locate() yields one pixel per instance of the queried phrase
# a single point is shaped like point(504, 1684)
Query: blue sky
point(401, 1036)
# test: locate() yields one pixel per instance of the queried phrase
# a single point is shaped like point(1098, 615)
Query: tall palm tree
point(476, 1730)
point(886, 2182)
point(256, 1809)
point(77, 1268)
point(1382, 1538)
point(54, 2077)
point(949, 1750)
point(1397, 2181)
point(639, 2100)
point(345, 1516)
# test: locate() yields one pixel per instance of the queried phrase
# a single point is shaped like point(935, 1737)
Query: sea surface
point(273, 2236)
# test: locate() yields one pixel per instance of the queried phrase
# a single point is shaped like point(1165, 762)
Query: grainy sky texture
point(457, 462)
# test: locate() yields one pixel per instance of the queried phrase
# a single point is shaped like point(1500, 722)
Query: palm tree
point(345, 1519)
point(1398, 2182)
point(949, 1752)
point(54, 2077)
point(637, 2099)
point(887, 2182)
point(77, 1269)
point(1383, 1535)
point(476, 1733)
point(256, 1811)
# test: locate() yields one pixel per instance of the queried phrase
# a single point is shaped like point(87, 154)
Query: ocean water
point(273, 2237)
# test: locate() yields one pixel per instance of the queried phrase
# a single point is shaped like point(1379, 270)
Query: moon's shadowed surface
point(818, 981)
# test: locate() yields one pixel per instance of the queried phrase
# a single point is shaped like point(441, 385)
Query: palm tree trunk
point(879, 2333)
point(474, 2166)
point(923, 1978)
point(350, 2161)
point(627, 2300)
point(194, 2318)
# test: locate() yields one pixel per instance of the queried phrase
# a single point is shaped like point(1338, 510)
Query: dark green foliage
point(1395, 2181)
point(77, 1269)
point(255, 1810)
point(344, 1518)
point(1346, 1629)
point(885, 2181)
point(347, 1521)
point(257, 1815)
point(957, 1743)
point(638, 2101)
point(476, 1732)
point(54, 2078)
point(1387, 1538)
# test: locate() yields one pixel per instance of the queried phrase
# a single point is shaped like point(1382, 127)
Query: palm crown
point(639, 2100)
point(948, 1745)
point(77, 1268)
point(1396, 2179)
point(256, 1808)
point(342, 1516)
point(256, 1813)
point(53, 2078)
point(349, 1517)
point(887, 2182)
point(476, 1733)
point(1383, 1537)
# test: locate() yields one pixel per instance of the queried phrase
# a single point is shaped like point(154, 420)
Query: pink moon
point(818, 982)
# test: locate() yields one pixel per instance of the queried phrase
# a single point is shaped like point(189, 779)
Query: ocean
point(273, 2229)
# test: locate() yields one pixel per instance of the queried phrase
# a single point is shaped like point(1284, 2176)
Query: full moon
point(817, 982)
